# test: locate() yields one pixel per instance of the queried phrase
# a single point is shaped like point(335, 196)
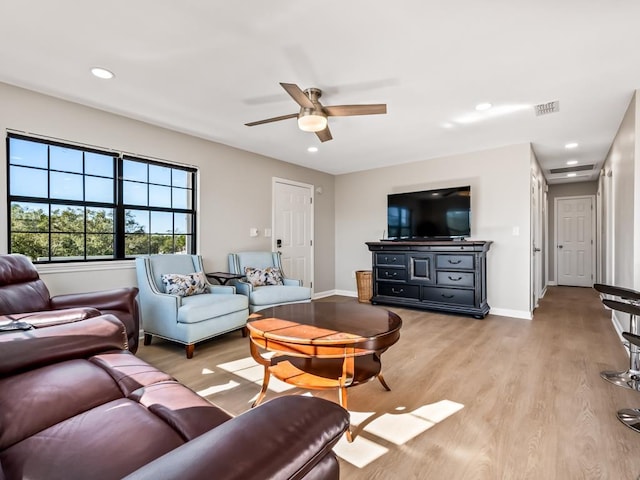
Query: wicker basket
point(363, 281)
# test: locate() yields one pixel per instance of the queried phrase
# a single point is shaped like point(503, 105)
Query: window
point(68, 203)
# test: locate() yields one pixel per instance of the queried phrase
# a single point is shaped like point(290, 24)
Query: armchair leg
point(189, 349)
point(245, 332)
point(147, 338)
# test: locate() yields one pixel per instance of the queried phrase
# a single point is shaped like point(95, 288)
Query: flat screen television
point(443, 214)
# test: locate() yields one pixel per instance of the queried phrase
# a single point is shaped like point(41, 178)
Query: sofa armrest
point(122, 299)
point(51, 317)
point(281, 439)
point(20, 350)
point(244, 288)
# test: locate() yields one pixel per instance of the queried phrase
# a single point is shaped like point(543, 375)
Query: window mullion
point(119, 249)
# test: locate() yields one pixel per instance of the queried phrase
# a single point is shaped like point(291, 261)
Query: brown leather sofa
point(75, 404)
point(22, 291)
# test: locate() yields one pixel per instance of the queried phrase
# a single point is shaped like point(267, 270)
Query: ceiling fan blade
point(324, 135)
point(274, 119)
point(348, 110)
point(298, 95)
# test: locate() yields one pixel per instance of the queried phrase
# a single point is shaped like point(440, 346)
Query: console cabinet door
point(421, 268)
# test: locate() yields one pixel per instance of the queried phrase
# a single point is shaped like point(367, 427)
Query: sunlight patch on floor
point(218, 388)
point(356, 418)
point(248, 369)
point(360, 453)
point(396, 428)
point(436, 412)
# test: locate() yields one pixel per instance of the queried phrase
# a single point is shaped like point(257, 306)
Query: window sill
point(85, 266)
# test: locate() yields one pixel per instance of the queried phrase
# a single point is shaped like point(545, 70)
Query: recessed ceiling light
point(312, 149)
point(102, 73)
point(447, 125)
point(571, 145)
point(572, 162)
point(571, 174)
point(483, 106)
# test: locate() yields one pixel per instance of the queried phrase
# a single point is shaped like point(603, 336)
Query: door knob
point(279, 243)
point(559, 246)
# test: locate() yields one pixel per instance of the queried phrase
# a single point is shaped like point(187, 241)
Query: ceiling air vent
point(577, 168)
point(547, 108)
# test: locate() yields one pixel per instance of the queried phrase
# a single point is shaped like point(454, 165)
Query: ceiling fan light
point(311, 122)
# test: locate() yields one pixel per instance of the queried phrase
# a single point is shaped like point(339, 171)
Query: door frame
point(594, 245)
point(537, 280)
point(279, 180)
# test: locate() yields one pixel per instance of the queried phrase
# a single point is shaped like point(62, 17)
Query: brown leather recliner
point(22, 291)
point(75, 405)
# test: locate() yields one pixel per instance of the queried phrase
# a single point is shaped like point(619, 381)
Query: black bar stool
point(631, 416)
point(630, 304)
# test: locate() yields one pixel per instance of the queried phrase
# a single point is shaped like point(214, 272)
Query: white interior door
point(574, 241)
point(293, 228)
point(536, 243)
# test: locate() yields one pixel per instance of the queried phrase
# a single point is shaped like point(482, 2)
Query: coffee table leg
point(265, 385)
point(384, 384)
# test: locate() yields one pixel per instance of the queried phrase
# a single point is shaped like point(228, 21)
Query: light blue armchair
point(185, 319)
point(264, 296)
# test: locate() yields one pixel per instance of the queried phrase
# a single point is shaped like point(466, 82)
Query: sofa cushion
point(129, 372)
point(275, 294)
point(199, 308)
point(56, 392)
point(263, 276)
point(184, 285)
point(188, 413)
point(105, 442)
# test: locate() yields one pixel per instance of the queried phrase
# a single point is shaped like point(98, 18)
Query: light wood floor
point(535, 406)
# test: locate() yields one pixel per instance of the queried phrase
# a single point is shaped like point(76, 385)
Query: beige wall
point(563, 190)
point(234, 194)
point(620, 193)
point(500, 186)
point(621, 170)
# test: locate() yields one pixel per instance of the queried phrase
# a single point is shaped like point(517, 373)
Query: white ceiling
point(207, 67)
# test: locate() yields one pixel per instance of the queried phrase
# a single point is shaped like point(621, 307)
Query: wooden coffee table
point(322, 345)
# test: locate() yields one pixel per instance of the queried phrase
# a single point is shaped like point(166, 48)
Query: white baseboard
point(327, 293)
point(505, 312)
point(552, 284)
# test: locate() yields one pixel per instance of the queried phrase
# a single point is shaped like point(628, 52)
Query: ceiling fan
point(313, 115)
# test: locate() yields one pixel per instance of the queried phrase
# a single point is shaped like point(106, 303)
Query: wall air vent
point(577, 168)
point(547, 108)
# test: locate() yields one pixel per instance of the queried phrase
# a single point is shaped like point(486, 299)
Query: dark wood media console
point(449, 276)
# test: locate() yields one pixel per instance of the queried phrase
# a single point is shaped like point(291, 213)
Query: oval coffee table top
point(328, 323)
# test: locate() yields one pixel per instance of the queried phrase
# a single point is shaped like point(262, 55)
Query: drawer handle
point(455, 279)
point(393, 290)
point(454, 262)
point(393, 259)
point(386, 274)
point(447, 296)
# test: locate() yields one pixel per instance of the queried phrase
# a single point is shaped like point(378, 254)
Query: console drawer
point(390, 259)
point(448, 295)
point(391, 274)
point(394, 290)
point(464, 262)
point(458, 279)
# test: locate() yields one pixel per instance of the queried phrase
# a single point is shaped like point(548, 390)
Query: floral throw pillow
point(263, 276)
point(184, 285)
